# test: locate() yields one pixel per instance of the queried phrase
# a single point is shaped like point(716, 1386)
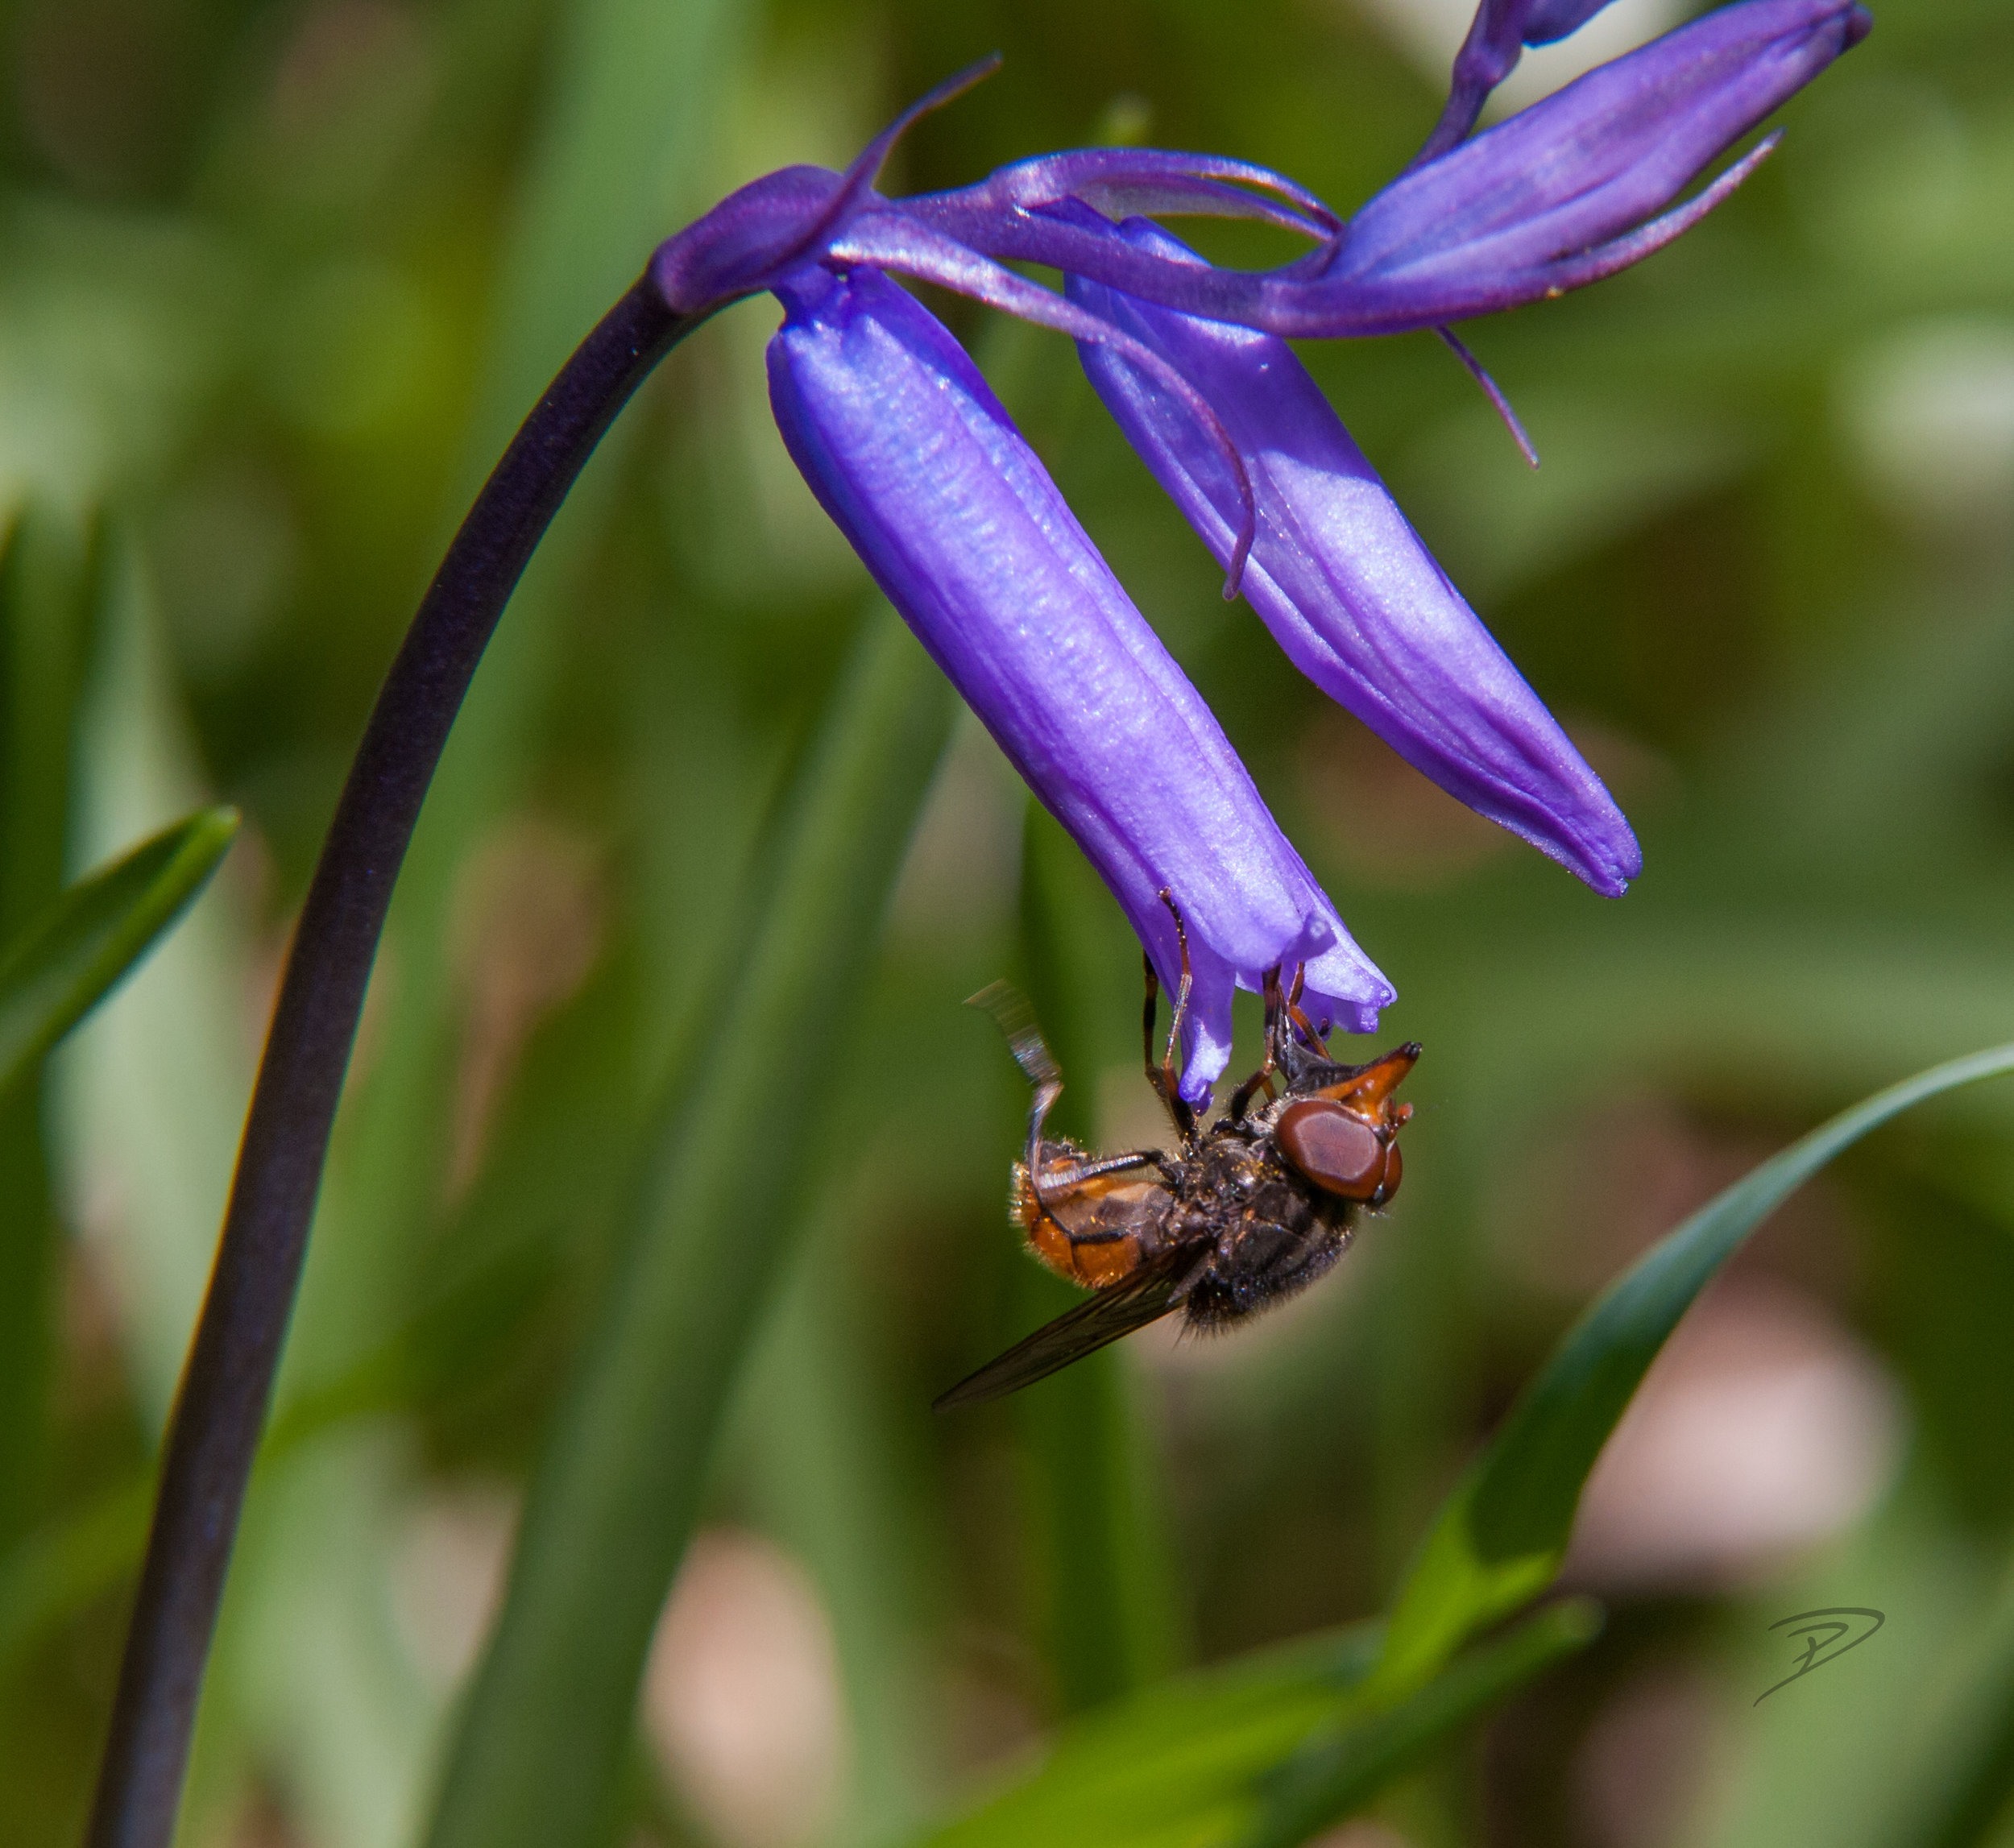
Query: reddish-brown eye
point(1334, 1148)
point(1393, 1168)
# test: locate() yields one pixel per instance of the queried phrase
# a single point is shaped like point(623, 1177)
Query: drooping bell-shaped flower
point(1344, 584)
point(962, 528)
point(958, 522)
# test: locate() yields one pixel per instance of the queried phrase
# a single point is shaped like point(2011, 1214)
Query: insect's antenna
point(1016, 1019)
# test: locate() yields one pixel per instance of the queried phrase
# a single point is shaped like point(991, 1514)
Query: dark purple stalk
point(227, 1381)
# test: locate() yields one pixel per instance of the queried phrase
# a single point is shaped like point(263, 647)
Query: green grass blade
point(1277, 1733)
point(1500, 1537)
point(549, 1721)
point(1177, 1761)
point(828, 1457)
point(46, 584)
point(1093, 1502)
point(55, 1573)
point(619, 107)
point(629, 88)
point(66, 962)
point(51, 1575)
point(1337, 1775)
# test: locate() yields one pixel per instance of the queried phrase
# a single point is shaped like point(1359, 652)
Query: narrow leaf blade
point(66, 962)
point(1498, 1539)
point(1178, 1760)
point(547, 1723)
point(1335, 1776)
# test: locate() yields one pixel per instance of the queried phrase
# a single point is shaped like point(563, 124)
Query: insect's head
point(1342, 1136)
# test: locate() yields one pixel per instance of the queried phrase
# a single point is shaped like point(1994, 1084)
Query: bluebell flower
point(1346, 586)
point(1006, 590)
point(956, 518)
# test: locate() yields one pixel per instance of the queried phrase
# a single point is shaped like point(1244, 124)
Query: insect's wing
point(1145, 1296)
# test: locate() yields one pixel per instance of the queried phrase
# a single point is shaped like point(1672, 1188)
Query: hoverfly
point(1249, 1209)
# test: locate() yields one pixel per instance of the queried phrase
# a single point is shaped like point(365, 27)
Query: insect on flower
point(1250, 1209)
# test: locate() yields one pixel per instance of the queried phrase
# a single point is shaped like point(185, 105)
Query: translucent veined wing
point(1146, 1296)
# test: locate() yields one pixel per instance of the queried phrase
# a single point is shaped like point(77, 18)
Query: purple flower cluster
point(960, 524)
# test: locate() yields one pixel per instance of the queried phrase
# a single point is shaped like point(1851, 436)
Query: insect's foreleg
point(1241, 1098)
point(1162, 1077)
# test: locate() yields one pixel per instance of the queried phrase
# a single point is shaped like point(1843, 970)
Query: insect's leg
point(1300, 1020)
point(1010, 1010)
point(1241, 1098)
point(1146, 1028)
point(1170, 1100)
point(1167, 1084)
point(1100, 1166)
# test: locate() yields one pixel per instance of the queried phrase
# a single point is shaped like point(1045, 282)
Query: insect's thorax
point(1273, 1233)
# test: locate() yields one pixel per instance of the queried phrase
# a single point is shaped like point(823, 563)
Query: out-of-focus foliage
point(276, 282)
point(1500, 1537)
point(67, 960)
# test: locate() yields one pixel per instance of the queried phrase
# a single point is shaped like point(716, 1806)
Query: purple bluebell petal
point(736, 250)
point(889, 242)
point(1391, 304)
point(1123, 181)
point(1553, 198)
point(1344, 584)
point(1598, 156)
point(1498, 402)
point(910, 453)
point(772, 225)
point(914, 459)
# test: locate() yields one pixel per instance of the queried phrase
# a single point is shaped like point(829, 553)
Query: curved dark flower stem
point(227, 1381)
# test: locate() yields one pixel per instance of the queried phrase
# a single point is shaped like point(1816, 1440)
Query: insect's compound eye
point(1393, 1168)
point(1336, 1149)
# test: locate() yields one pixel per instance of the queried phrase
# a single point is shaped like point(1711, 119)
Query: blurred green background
point(277, 281)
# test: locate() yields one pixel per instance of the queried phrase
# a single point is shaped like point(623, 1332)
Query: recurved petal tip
point(1342, 984)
